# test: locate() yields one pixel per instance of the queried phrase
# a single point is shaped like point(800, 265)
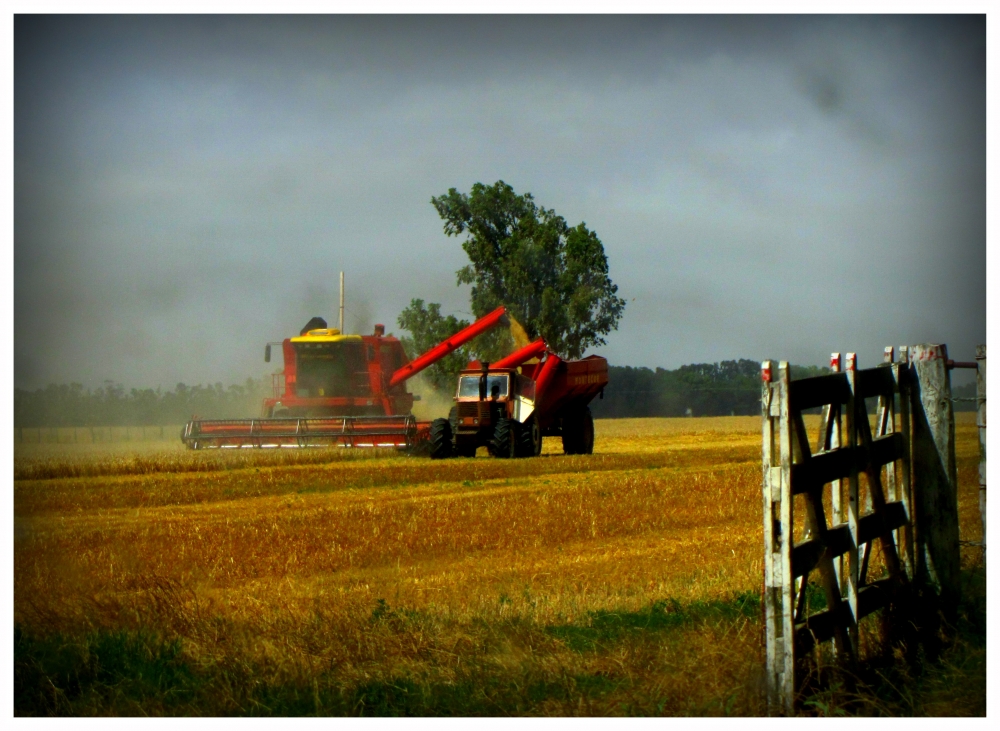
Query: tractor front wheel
point(465, 450)
point(461, 447)
point(440, 439)
point(504, 444)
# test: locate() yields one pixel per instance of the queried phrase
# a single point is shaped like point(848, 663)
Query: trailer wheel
point(570, 435)
point(587, 440)
point(529, 438)
point(578, 432)
point(440, 439)
point(504, 444)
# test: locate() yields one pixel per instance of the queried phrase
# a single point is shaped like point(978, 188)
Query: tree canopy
point(552, 278)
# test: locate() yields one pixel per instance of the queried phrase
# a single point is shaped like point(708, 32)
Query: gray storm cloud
point(187, 188)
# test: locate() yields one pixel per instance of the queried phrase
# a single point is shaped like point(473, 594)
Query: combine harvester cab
point(510, 405)
point(337, 389)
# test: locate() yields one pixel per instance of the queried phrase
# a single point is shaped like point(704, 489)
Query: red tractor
point(508, 406)
point(350, 390)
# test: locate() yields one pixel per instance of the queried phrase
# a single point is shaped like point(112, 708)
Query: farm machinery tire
point(465, 450)
point(441, 439)
point(578, 432)
point(529, 438)
point(458, 448)
point(504, 443)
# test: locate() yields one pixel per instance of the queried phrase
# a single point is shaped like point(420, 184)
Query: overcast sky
point(188, 188)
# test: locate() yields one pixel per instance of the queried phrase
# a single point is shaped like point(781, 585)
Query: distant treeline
point(731, 387)
point(112, 405)
point(703, 389)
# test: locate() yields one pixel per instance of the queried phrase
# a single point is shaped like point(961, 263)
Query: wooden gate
point(821, 521)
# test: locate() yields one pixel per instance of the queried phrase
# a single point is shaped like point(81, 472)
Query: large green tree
point(553, 278)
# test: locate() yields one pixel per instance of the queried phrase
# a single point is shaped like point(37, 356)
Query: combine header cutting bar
point(344, 431)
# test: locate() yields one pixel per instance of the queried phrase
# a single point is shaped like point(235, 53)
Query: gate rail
point(838, 548)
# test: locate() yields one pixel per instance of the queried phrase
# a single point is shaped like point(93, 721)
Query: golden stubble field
point(318, 581)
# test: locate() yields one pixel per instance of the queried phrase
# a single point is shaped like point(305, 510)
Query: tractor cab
point(492, 386)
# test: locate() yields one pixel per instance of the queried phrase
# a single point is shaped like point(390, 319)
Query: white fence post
point(981, 423)
point(935, 487)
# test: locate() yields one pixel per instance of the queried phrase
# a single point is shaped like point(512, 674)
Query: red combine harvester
point(337, 389)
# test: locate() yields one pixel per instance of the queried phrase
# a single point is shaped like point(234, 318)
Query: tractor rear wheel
point(441, 445)
point(504, 444)
point(529, 438)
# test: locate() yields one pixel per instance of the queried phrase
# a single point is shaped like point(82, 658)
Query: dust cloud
point(432, 404)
